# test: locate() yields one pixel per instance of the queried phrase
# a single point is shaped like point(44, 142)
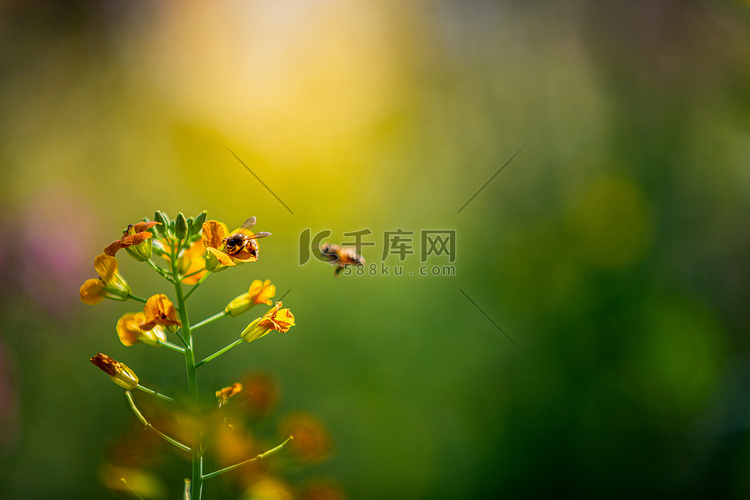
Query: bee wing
point(261, 234)
point(249, 223)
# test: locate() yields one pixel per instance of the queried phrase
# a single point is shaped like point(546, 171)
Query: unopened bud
point(120, 373)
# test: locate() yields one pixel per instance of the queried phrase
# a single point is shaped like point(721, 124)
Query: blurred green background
point(613, 250)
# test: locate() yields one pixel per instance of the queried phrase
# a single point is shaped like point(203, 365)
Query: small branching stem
point(257, 457)
point(206, 321)
point(219, 352)
point(154, 393)
point(148, 425)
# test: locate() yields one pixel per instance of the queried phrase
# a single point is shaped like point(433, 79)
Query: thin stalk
point(147, 424)
point(195, 287)
point(154, 393)
point(257, 457)
point(161, 271)
point(219, 352)
point(133, 297)
point(206, 321)
point(172, 346)
point(182, 339)
point(196, 484)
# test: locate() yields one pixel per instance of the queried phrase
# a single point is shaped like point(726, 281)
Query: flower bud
point(239, 305)
point(162, 228)
point(253, 331)
point(181, 226)
point(198, 222)
point(120, 374)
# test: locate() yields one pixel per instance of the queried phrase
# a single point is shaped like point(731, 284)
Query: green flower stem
point(161, 271)
point(147, 424)
point(133, 297)
point(220, 352)
point(195, 287)
point(182, 339)
point(196, 485)
point(172, 346)
point(154, 393)
point(209, 320)
point(257, 457)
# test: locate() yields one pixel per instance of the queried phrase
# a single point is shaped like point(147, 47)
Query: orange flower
point(225, 393)
point(215, 235)
point(110, 284)
point(277, 319)
point(137, 235)
point(130, 332)
point(260, 292)
point(118, 372)
point(159, 310)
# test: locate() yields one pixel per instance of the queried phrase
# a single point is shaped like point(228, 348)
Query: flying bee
point(242, 244)
point(341, 256)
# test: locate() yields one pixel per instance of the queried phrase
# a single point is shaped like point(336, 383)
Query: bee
point(242, 244)
point(341, 256)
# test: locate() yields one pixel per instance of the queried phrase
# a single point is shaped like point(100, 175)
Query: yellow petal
point(213, 233)
point(106, 267)
point(128, 328)
point(264, 295)
point(92, 292)
point(159, 310)
point(224, 259)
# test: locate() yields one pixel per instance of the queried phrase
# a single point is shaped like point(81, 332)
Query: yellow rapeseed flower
point(213, 234)
point(109, 285)
point(130, 332)
point(260, 292)
point(225, 249)
point(159, 310)
point(277, 319)
point(136, 240)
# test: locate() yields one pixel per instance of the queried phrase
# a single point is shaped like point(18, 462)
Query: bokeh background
point(611, 253)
